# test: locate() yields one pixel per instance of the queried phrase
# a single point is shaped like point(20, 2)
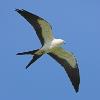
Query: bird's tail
point(36, 54)
point(28, 53)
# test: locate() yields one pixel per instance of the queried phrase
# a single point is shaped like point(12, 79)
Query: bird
point(52, 47)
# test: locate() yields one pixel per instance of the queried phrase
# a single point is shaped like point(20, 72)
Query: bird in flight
point(52, 47)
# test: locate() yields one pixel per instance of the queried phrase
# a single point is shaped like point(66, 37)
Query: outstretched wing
point(42, 27)
point(68, 61)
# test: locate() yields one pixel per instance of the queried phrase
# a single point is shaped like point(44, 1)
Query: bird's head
point(61, 41)
point(57, 42)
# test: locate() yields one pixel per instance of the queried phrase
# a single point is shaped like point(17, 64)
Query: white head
point(58, 42)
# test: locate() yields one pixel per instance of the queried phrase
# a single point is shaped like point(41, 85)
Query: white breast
point(52, 44)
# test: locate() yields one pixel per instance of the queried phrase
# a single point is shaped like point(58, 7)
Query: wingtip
point(76, 87)
point(76, 90)
point(19, 10)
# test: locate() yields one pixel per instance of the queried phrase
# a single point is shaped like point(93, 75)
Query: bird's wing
point(42, 27)
point(68, 61)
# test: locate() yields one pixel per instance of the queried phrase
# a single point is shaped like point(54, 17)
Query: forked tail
point(36, 54)
point(28, 53)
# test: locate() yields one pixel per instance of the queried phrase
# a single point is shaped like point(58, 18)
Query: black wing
point(42, 27)
point(68, 61)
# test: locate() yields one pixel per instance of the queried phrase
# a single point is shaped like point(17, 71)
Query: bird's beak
point(64, 42)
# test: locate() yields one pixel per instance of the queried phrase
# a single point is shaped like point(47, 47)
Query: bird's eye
point(64, 42)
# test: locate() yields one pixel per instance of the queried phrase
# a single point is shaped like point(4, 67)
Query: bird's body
point(52, 47)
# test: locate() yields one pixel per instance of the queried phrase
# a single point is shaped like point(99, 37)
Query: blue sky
point(75, 21)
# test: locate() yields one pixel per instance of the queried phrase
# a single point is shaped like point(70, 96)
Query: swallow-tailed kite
point(52, 47)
